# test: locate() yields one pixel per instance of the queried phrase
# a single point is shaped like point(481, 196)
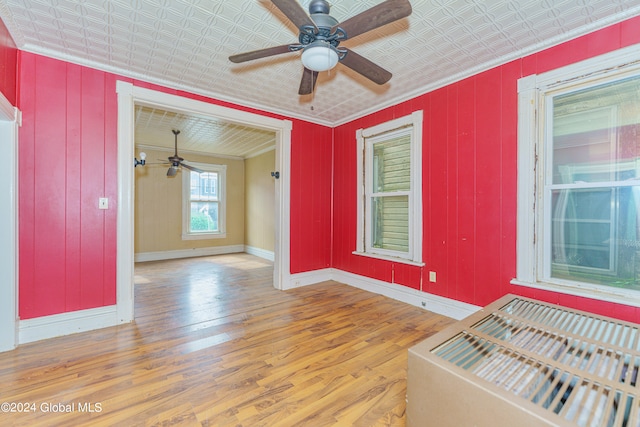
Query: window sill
point(204, 236)
point(602, 293)
point(390, 258)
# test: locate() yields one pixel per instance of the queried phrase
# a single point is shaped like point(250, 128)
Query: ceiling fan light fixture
point(319, 56)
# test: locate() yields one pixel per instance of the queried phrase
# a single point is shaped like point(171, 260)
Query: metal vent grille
point(579, 367)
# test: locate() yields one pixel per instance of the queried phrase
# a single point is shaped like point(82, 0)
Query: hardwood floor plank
point(214, 344)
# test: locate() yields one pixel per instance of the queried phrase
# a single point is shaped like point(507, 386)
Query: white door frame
point(10, 120)
point(130, 95)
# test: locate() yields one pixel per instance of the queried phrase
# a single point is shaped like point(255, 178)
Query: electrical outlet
point(432, 276)
point(103, 203)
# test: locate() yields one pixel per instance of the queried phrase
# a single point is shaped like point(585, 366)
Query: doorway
point(129, 96)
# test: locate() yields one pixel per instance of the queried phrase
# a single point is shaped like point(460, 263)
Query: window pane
point(209, 185)
point(204, 217)
point(595, 133)
point(596, 236)
point(204, 186)
point(390, 223)
point(391, 166)
point(194, 184)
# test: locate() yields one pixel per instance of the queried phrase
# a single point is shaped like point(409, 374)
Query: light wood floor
point(214, 344)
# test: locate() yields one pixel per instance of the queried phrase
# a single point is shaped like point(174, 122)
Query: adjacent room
point(220, 198)
point(296, 212)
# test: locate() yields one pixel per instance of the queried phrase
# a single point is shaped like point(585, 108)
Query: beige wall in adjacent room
point(260, 201)
point(158, 205)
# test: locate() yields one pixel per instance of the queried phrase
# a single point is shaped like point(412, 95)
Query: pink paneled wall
point(67, 160)
point(8, 65)
point(311, 158)
point(469, 182)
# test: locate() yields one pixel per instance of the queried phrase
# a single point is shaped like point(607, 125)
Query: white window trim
point(186, 206)
point(531, 152)
point(415, 198)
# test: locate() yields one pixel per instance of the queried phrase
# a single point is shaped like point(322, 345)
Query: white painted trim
point(129, 96)
point(58, 325)
point(7, 111)
point(586, 72)
point(527, 158)
point(534, 92)
point(9, 124)
point(417, 202)
point(282, 260)
point(125, 208)
point(388, 258)
point(388, 126)
point(262, 253)
point(360, 191)
point(365, 139)
point(188, 253)
point(434, 303)
point(310, 277)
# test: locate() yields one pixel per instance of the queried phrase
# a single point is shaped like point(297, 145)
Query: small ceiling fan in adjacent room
point(320, 36)
point(177, 161)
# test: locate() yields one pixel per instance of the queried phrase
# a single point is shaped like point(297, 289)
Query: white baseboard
point(437, 304)
point(187, 253)
point(57, 325)
point(262, 253)
point(308, 278)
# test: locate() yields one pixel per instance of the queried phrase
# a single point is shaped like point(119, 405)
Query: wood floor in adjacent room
point(214, 344)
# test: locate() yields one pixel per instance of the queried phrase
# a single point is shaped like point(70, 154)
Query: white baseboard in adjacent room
point(262, 253)
point(187, 253)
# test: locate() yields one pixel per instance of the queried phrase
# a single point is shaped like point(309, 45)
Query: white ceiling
point(153, 129)
point(185, 44)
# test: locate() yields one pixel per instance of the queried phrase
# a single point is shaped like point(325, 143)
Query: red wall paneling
point(64, 147)
point(469, 181)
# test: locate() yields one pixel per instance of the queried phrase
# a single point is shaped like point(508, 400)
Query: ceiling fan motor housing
point(319, 6)
point(319, 14)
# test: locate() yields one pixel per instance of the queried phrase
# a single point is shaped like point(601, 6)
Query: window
point(204, 202)
point(390, 190)
point(579, 180)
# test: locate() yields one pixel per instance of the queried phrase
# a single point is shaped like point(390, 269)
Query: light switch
point(103, 203)
point(432, 276)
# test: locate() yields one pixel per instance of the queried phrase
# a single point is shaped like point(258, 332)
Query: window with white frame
point(390, 190)
point(579, 179)
point(204, 202)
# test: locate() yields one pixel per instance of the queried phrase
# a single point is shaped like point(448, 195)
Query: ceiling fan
point(177, 161)
point(320, 36)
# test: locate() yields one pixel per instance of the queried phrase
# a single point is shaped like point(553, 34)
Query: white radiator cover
point(527, 363)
